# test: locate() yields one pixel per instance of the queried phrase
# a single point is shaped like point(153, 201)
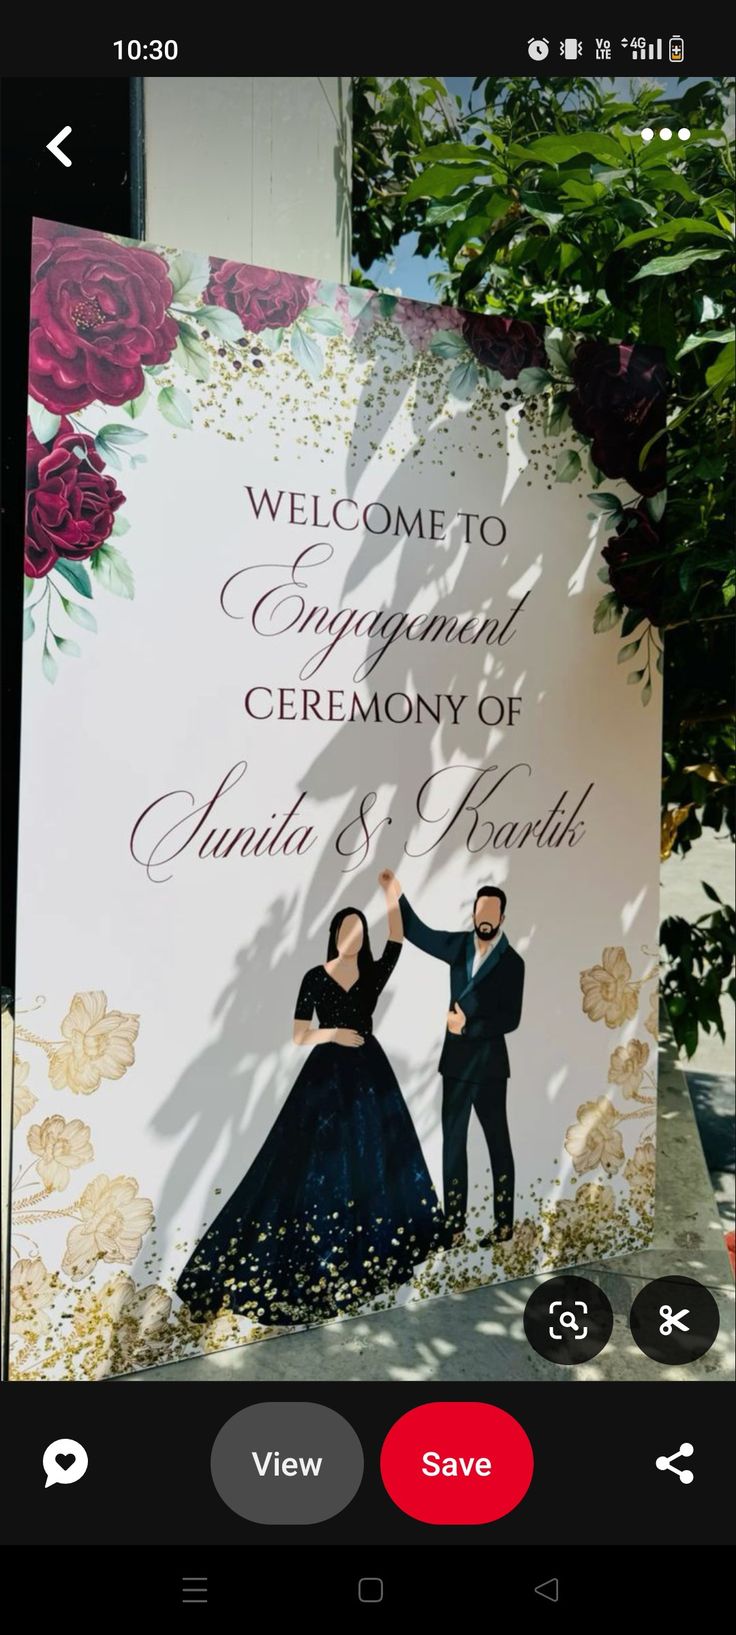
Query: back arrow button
point(53, 145)
point(549, 1590)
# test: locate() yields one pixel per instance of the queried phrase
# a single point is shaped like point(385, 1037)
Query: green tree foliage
point(542, 200)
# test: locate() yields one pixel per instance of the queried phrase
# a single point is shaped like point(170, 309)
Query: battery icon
point(677, 48)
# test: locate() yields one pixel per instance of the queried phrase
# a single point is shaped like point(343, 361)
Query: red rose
point(505, 344)
point(263, 299)
point(70, 503)
point(637, 580)
point(619, 403)
point(98, 314)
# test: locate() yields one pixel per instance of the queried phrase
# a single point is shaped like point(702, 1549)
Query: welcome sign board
point(338, 822)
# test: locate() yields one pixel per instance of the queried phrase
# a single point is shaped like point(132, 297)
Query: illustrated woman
point(338, 1206)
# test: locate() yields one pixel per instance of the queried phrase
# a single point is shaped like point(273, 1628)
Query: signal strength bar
point(643, 50)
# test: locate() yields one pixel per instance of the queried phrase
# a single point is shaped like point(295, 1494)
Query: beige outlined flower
point(114, 1221)
point(627, 1066)
point(222, 1331)
point(60, 1145)
point(596, 1196)
point(120, 1324)
point(31, 1291)
point(98, 1044)
point(609, 995)
point(640, 1172)
point(652, 1021)
point(23, 1098)
point(595, 1140)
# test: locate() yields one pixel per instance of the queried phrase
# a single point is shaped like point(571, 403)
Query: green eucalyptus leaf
point(49, 665)
point(189, 274)
point(449, 343)
point(70, 648)
point(326, 322)
point(558, 415)
point(306, 352)
point(75, 574)
point(80, 615)
point(656, 505)
point(531, 381)
point(112, 571)
point(628, 650)
point(609, 505)
point(220, 322)
point(113, 440)
point(28, 624)
point(560, 350)
point(43, 424)
point(568, 467)
point(607, 613)
point(137, 404)
point(463, 380)
point(191, 353)
point(175, 407)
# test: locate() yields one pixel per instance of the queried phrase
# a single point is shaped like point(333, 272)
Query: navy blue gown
point(338, 1207)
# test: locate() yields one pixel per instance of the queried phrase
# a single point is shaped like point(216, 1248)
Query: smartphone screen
point(368, 920)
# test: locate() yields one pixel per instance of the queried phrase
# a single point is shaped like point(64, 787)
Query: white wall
point(256, 170)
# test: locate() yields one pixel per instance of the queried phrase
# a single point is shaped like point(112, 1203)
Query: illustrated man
point(486, 988)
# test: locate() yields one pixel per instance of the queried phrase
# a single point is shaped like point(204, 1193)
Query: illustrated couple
point(338, 1207)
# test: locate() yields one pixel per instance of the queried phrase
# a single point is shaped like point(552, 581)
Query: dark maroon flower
point(70, 502)
point(262, 298)
point(619, 404)
point(505, 344)
point(637, 580)
point(98, 314)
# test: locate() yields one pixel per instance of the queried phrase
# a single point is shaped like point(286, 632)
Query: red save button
point(457, 1463)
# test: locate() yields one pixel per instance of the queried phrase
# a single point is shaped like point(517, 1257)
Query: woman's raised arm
point(392, 891)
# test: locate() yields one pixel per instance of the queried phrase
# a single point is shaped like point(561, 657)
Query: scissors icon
point(673, 1320)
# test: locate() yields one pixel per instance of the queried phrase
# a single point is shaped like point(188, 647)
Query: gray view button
point(287, 1464)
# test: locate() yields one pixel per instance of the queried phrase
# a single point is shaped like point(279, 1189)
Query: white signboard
point(308, 603)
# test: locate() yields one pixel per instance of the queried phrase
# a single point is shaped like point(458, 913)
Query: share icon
point(667, 1462)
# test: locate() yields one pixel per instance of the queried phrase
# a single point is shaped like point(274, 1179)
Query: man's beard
point(485, 931)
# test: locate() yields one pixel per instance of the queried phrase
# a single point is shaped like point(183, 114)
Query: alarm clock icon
point(539, 49)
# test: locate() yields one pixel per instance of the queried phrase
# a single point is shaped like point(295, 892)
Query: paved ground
point(480, 1336)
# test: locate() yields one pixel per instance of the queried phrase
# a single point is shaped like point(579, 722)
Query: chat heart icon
point(65, 1460)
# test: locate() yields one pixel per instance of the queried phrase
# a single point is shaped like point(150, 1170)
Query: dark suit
point(474, 1064)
